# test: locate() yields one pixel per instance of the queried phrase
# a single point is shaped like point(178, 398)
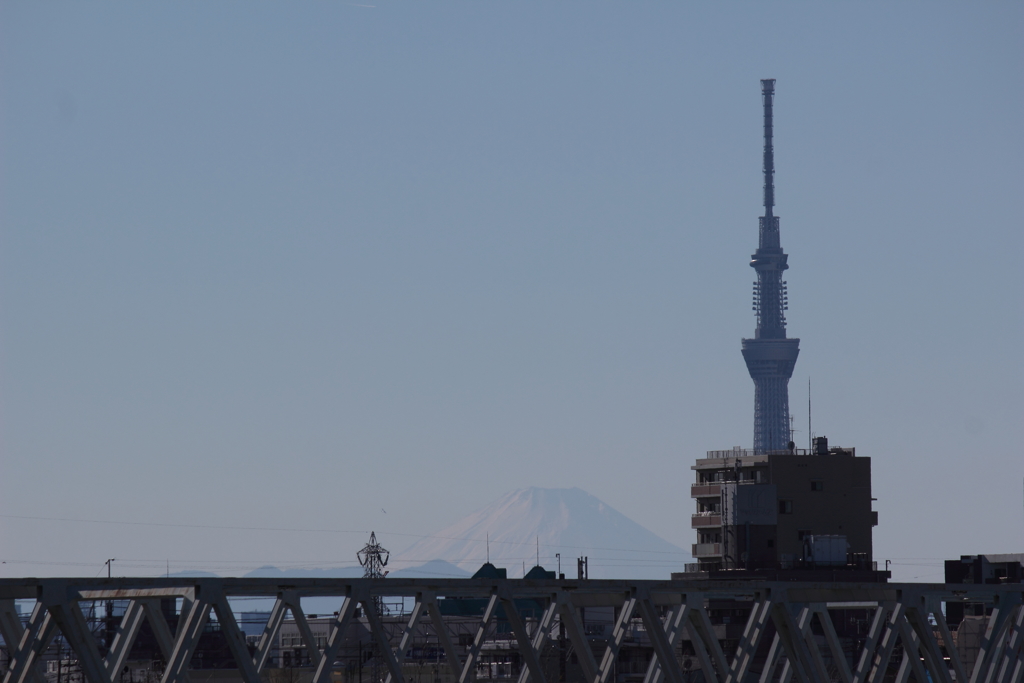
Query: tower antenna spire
point(767, 99)
point(770, 356)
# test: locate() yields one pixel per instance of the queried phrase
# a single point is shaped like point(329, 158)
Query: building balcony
point(705, 490)
point(707, 550)
point(706, 519)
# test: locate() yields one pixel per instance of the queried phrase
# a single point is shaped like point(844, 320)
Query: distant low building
point(980, 569)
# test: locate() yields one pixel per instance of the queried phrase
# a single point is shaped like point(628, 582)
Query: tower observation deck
point(770, 356)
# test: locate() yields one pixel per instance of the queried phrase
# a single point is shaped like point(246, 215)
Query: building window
point(771, 542)
point(785, 507)
point(817, 485)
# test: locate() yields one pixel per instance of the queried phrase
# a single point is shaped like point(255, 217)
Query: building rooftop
point(737, 452)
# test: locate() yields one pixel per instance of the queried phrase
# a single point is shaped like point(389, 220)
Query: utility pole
point(108, 626)
point(810, 434)
point(582, 573)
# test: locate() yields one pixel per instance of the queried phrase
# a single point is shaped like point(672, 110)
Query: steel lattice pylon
point(770, 356)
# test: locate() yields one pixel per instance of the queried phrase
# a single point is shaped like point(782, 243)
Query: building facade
point(783, 509)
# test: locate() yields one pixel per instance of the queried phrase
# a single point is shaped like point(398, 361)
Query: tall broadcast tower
point(770, 356)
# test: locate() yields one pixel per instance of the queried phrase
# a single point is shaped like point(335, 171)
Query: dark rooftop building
point(790, 509)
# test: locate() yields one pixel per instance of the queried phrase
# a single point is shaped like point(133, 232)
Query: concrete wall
point(842, 506)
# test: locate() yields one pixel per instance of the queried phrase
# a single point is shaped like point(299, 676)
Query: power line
point(325, 531)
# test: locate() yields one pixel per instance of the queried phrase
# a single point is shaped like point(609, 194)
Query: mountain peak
point(529, 526)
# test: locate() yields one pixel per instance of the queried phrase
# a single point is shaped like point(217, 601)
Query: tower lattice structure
point(770, 356)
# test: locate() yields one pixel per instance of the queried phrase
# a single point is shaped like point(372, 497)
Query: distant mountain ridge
point(567, 521)
point(434, 569)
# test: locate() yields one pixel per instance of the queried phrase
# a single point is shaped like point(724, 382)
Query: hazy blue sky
point(287, 265)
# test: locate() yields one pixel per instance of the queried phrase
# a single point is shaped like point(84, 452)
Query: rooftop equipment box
point(826, 550)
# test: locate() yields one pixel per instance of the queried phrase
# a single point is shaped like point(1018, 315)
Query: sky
point(274, 275)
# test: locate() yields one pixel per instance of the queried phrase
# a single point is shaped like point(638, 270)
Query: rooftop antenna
point(810, 436)
point(538, 551)
point(488, 547)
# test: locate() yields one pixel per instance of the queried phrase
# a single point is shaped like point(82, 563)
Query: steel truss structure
point(907, 626)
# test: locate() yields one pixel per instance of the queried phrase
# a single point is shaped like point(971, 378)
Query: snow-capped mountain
point(567, 521)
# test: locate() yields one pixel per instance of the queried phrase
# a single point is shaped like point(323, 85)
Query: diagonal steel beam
point(675, 623)
point(947, 642)
point(1015, 662)
point(11, 631)
point(186, 607)
point(124, 638)
point(10, 625)
point(792, 639)
point(1014, 647)
point(880, 662)
point(807, 648)
point(294, 603)
point(834, 646)
point(867, 653)
point(911, 651)
point(917, 618)
point(663, 649)
point(322, 673)
point(469, 667)
point(570, 621)
point(541, 636)
point(35, 638)
point(772, 660)
point(702, 632)
point(787, 672)
point(903, 673)
point(266, 643)
point(383, 642)
point(441, 629)
point(1017, 675)
point(1002, 662)
point(746, 649)
point(611, 651)
point(235, 638)
point(408, 632)
point(69, 617)
point(161, 631)
point(991, 643)
point(190, 627)
point(816, 662)
point(526, 650)
point(67, 614)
